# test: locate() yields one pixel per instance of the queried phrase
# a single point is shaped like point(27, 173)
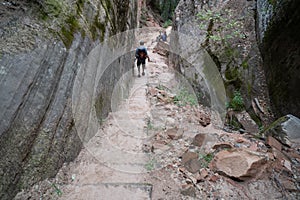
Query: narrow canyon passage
point(127, 158)
point(161, 143)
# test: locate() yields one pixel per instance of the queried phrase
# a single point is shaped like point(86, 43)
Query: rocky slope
point(43, 44)
point(226, 30)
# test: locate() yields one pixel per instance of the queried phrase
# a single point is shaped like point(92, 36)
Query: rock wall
point(43, 45)
point(226, 30)
point(278, 26)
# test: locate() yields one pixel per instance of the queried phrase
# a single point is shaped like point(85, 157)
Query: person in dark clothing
point(141, 55)
point(164, 36)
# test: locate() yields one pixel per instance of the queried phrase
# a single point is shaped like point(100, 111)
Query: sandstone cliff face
point(278, 25)
point(43, 45)
point(226, 30)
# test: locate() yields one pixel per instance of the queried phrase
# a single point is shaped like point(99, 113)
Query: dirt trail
point(116, 164)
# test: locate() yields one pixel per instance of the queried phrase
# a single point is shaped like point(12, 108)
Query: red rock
point(204, 172)
point(253, 147)
point(214, 178)
point(153, 91)
point(240, 140)
point(223, 145)
point(199, 139)
point(274, 143)
point(240, 164)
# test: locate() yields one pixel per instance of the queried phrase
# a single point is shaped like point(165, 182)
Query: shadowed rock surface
point(43, 45)
point(278, 25)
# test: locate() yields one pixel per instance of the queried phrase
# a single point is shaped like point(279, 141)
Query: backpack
point(142, 53)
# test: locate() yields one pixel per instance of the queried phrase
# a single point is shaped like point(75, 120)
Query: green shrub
point(205, 159)
point(167, 23)
point(226, 28)
point(184, 97)
point(237, 102)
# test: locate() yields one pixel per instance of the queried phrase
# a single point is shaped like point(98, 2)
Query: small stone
point(278, 154)
point(253, 147)
point(289, 185)
point(214, 178)
point(160, 146)
point(152, 91)
point(174, 133)
point(287, 164)
point(202, 175)
point(199, 139)
point(240, 140)
point(203, 118)
point(247, 122)
point(188, 190)
point(170, 121)
point(270, 156)
point(274, 143)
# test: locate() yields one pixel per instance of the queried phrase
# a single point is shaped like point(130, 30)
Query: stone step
point(121, 159)
point(113, 191)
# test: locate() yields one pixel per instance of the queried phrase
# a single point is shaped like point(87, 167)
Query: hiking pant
point(139, 62)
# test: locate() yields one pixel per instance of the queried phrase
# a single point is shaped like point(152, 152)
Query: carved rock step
point(115, 191)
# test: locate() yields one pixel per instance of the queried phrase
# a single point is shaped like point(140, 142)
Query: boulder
point(285, 130)
point(247, 122)
point(162, 48)
point(239, 164)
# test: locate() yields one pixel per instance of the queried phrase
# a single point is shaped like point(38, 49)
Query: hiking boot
point(143, 73)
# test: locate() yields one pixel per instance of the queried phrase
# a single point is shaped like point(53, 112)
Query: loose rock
point(199, 139)
point(239, 164)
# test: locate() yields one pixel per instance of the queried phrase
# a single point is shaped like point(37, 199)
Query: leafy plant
point(149, 125)
point(237, 102)
point(205, 159)
point(167, 23)
point(224, 28)
point(53, 8)
point(184, 97)
point(57, 190)
point(150, 164)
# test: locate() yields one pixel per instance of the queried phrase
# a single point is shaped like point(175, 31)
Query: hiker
point(158, 38)
point(141, 55)
point(164, 36)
